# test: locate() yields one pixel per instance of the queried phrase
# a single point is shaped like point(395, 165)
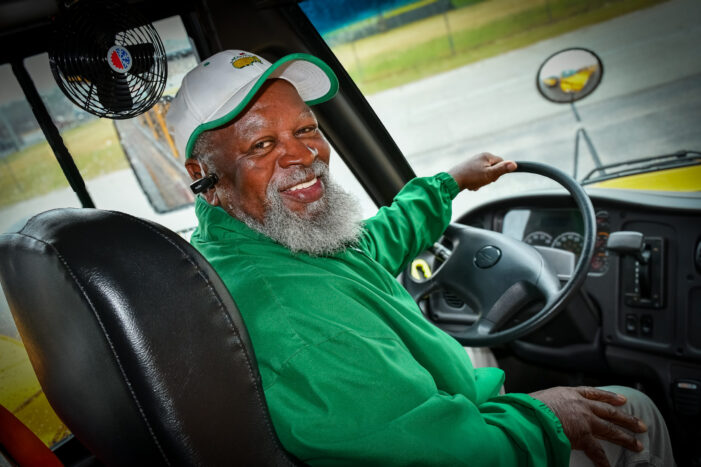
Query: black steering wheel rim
point(479, 334)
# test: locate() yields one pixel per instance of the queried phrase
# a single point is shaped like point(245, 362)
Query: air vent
point(687, 397)
point(452, 300)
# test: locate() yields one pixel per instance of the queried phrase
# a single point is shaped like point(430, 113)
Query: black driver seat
point(136, 342)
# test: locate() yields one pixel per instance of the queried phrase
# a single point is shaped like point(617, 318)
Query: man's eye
point(308, 130)
point(261, 145)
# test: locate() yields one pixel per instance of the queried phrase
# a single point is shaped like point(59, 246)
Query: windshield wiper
point(646, 164)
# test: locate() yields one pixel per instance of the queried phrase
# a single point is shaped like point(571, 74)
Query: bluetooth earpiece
point(205, 183)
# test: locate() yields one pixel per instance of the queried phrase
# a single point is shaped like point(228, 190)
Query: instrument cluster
point(559, 228)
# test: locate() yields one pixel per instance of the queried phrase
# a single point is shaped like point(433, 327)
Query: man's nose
point(297, 153)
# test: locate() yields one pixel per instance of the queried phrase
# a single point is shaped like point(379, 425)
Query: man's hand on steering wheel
point(587, 415)
point(480, 170)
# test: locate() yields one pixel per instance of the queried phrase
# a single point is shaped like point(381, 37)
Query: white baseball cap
point(214, 93)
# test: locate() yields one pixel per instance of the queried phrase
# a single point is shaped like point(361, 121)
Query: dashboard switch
point(631, 324)
point(646, 325)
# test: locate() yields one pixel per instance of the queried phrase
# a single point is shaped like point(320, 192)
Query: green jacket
point(352, 372)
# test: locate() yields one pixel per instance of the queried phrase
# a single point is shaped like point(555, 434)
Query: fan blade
point(113, 93)
point(141, 57)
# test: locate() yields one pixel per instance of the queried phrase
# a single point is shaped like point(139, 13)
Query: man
point(352, 372)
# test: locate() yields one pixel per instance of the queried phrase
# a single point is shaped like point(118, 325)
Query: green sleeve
point(363, 400)
point(416, 218)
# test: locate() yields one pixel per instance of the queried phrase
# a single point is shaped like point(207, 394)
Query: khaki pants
point(657, 450)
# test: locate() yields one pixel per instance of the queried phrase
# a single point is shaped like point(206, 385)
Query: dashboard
point(655, 334)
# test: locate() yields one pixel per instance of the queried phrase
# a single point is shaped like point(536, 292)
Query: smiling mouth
point(302, 185)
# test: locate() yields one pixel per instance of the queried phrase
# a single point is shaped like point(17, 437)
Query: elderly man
point(352, 372)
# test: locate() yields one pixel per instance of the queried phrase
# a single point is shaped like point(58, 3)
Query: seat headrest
point(136, 341)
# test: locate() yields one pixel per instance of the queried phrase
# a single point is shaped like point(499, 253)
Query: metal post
point(449, 33)
point(52, 135)
point(574, 110)
point(592, 151)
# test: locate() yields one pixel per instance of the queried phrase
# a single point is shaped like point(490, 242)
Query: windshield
point(453, 78)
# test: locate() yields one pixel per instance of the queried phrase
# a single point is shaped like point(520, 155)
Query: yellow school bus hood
point(677, 179)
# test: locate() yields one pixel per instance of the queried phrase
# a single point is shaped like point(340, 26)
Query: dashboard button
point(631, 324)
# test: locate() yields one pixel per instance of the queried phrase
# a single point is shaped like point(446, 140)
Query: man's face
point(275, 140)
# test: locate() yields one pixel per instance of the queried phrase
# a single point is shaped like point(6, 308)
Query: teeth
point(303, 185)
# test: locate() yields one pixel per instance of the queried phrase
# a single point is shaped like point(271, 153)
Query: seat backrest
point(136, 342)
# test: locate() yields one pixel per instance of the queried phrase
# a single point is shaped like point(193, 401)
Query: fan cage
point(79, 59)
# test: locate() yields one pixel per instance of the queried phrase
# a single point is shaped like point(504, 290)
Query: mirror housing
point(569, 75)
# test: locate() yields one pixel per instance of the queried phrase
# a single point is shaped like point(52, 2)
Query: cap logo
point(245, 61)
point(119, 59)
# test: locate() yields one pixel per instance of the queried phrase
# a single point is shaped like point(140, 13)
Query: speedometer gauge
point(539, 238)
point(569, 241)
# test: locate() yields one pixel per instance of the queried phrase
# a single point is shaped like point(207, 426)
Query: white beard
point(328, 225)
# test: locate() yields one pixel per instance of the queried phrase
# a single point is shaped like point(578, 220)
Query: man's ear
point(198, 170)
point(194, 168)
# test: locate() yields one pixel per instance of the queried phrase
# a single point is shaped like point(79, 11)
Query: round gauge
point(570, 241)
point(539, 238)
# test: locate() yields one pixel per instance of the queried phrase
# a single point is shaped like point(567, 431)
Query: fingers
point(610, 432)
point(489, 158)
point(495, 166)
point(480, 170)
point(610, 413)
point(595, 394)
point(501, 168)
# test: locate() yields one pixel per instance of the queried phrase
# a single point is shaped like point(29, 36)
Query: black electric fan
point(107, 59)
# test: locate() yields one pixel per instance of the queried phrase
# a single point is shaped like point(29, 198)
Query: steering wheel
point(497, 276)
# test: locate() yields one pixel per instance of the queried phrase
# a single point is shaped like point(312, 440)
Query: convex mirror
point(569, 75)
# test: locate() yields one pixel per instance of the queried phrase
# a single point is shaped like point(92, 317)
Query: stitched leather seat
point(136, 341)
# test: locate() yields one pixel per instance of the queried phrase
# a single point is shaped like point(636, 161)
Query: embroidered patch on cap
point(244, 60)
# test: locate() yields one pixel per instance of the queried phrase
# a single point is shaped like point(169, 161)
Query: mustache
point(294, 176)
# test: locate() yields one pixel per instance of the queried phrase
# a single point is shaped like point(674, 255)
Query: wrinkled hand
point(480, 170)
point(588, 414)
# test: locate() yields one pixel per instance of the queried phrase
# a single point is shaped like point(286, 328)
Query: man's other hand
point(480, 170)
point(588, 414)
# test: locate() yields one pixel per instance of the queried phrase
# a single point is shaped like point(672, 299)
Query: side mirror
point(569, 75)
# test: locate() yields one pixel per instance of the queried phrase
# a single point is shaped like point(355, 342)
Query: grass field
point(466, 35)
point(34, 171)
